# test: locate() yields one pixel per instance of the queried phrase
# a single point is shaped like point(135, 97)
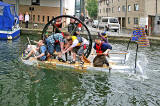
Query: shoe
point(72, 62)
point(61, 60)
point(81, 63)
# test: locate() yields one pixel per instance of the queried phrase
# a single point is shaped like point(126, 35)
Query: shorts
point(79, 50)
point(99, 60)
point(53, 47)
point(43, 58)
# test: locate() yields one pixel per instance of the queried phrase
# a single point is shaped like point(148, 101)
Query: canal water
point(23, 85)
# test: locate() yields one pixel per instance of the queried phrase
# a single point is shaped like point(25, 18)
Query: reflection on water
point(22, 85)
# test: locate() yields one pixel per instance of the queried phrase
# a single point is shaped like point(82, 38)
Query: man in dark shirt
point(82, 18)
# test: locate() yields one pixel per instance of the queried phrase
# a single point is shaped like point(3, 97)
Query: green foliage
point(92, 8)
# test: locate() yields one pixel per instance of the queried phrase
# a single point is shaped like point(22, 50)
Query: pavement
point(124, 34)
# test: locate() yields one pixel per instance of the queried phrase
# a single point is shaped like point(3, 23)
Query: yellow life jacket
point(78, 38)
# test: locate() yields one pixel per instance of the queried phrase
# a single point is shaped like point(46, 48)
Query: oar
point(111, 53)
point(31, 46)
point(85, 59)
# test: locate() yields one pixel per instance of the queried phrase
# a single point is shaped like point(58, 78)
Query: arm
point(39, 56)
point(62, 46)
point(70, 48)
point(104, 38)
point(43, 50)
point(74, 44)
point(67, 46)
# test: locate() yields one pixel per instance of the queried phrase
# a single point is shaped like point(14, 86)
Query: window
point(112, 9)
point(124, 8)
point(1, 10)
point(129, 7)
point(109, 9)
point(107, 2)
point(119, 8)
point(47, 18)
point(104, 20)
point(35, 2)
point(12, 10)
point(112, 20)
point(43, 18)
point(33, 18)
point(136, 21)
point(38, 17)
point(129, 21)
point(136, 7)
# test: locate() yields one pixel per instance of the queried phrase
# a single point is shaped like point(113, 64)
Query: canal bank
point(112, 36)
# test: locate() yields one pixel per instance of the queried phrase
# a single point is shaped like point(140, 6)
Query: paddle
point(31, 46)
point(111, 53)
point(85, 59)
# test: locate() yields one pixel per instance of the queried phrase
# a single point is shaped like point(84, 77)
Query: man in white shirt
point(77, 45)
point(26, 19)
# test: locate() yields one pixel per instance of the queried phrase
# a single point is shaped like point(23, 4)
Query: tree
point(92, 8)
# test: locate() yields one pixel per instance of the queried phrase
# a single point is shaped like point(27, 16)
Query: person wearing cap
point(103, 36)
point(102, 50)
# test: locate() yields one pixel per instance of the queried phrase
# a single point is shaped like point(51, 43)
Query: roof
point(4, 4)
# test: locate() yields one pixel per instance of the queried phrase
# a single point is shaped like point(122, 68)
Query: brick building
point(41, 11)
point(131, 13)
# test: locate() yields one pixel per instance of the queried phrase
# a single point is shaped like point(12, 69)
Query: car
point(95, 24)
point(110, 23)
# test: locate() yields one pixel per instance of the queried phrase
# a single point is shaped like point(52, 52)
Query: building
point(41, 11)
point(131, 13)
point(79, 7)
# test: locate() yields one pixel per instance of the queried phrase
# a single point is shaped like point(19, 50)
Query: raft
point(54, 63)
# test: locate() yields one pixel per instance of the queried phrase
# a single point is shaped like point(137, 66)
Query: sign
point(143, 22)
point(139, 36)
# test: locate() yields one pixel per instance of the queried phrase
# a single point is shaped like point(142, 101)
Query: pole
point(61, 7)
point(136, 59)
point(156, 7)
point(17, 7)
point(126, 12)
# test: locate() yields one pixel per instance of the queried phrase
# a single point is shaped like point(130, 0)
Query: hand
point(35, 57)
point(63, 52)
point(106, 54)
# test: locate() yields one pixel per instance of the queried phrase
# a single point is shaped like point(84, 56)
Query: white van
point(110, 23)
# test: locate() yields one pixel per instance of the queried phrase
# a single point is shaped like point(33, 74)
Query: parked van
point(110, 23)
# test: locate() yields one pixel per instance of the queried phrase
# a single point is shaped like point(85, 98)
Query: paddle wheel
point(67, 23)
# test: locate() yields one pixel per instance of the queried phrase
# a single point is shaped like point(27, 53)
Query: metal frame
point(76, 19)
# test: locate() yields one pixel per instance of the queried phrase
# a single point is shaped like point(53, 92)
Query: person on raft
point(40, 52)
point(72, 27)
point(55, 42)
point(102, 50)
point(77, 45)
point(57, 25)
